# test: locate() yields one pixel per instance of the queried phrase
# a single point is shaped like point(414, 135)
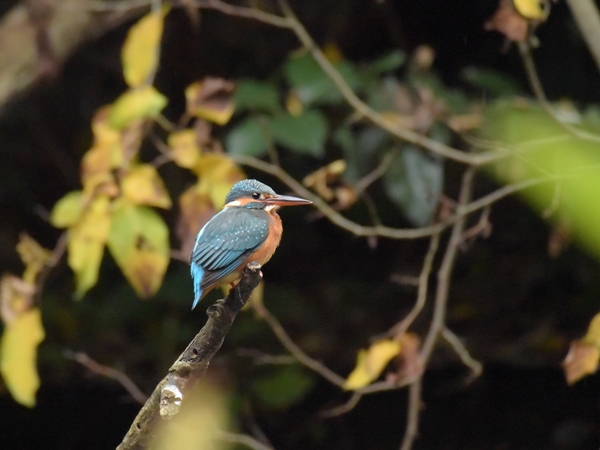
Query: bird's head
point(253, 194)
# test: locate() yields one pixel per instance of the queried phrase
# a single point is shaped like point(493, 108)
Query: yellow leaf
point(593, 333)
point(18, 355)
point(218, 173)
point(143, 186)
point(533, 9)
point(211, 99)
point(141, 49)
point(68, 210)
point(33, 255)
point(139, 243)
point(107, 152)
point(581, 360)
point(144, 102)
point(99, 183)
point(184, 148)
point(370, 363)
point(85, 244)
point(195, 209)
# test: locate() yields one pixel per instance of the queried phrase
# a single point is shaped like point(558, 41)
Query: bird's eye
point(256, 196)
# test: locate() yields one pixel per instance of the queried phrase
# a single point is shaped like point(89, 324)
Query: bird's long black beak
point(286, 200)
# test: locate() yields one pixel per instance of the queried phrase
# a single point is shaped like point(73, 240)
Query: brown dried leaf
point(321, 178)
point(16, 297)
point(410, 362)
point(559, 240)
point(211, 99)
point(581, 360)
point(509, 22)
point(195, 209)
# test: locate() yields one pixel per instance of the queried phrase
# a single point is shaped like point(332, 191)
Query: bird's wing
point(227, 240)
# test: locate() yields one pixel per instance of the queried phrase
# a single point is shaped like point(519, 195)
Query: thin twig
point(343, 408)
point(57, 253)
point(296, 351)
point(315, 365)
point(456, 344)
point(382, 231)
point(483, 227)
point(108, 372)
point(107, 6)
point(538, 91)
point(414, 411)
point(242, 439)
point(290, 21)
point(401, 327)
point(587, 18)
point(247, 13)
point(445, 270)
point(365, 110)
point(375, 174)
point(439, 311)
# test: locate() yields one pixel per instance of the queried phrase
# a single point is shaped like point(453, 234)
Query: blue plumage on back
point(237, 233)
point(224, 243)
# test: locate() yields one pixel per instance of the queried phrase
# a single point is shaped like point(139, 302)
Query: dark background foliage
point(515, 307)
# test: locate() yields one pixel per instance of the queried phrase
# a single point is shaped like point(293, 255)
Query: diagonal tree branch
point(166, 400)
point(587, 18)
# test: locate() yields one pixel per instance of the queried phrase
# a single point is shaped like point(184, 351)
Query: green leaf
point(283, 386)
point(68, 210)
point(139, 242)
point(414, 182)
point(312, 85)
point(381, 95)
point(388, 62)
point(249, 137)
point(491, 81)
point(305, 133)
point(253, 95)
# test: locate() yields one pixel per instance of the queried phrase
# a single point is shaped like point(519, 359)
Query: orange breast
point(264, 253)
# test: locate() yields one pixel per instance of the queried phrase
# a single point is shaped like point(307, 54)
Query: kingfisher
point(248, 228)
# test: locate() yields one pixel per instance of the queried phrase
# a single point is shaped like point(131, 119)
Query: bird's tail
point(197, 275)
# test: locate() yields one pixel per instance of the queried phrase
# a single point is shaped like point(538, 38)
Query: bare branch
point(404, 324)
point(365, 110)
point(538, 90)
point(247, 13)
point(108, 372)
point(382, 231)
point(342, 409)
point(296, 351)
point(414, 411)
point(587, 18)
point(452, 339)
point(439, 312)
point(445, 271)
point(165, 401)
point(57, 254)
point(242, 439)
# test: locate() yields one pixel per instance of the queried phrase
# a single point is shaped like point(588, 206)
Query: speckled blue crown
point(246, 188)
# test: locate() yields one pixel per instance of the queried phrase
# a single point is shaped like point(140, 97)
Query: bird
point(248, 228)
